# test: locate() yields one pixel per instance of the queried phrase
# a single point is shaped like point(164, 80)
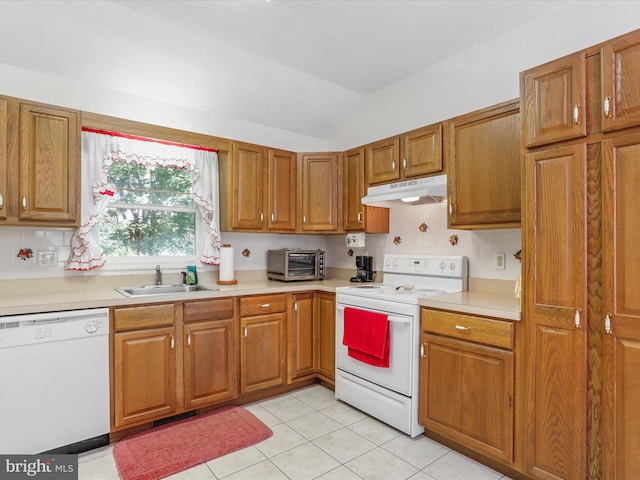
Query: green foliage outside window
point(152, 213)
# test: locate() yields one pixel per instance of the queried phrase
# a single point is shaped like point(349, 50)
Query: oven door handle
point(391, 318)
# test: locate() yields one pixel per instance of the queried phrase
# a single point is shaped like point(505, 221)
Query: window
point(152, 213)
point(145, 200)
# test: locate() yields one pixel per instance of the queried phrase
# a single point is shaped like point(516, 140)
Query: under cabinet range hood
point(415, 192)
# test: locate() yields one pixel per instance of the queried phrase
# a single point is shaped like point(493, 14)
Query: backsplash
point(422, 229)
point(413, 229)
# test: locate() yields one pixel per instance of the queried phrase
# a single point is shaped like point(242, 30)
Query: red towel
point(366, 334)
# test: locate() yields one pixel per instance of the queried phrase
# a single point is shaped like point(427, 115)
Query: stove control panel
point(432, 265)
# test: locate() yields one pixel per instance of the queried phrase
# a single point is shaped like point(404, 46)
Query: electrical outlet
point(47, 258)
point(499, 261)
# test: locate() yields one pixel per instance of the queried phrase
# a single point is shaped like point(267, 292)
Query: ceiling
point(294, 65)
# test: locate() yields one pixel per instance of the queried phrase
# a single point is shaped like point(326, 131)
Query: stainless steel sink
point(162, 290)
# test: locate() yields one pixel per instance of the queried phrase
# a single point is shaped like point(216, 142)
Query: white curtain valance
point(100, 149)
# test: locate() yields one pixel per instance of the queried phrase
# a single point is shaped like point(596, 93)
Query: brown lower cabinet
point(262, 342)
point(156, 374)
point(467, 381)
point(326, 336)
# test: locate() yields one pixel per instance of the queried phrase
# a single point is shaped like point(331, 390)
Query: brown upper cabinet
point(558, 95)
point(259, 185)
point(620, 61)
point(484, 168)
point(413, 154)
point(42, 143)
point(554, 101)
point(319, 182)
point(358, 217)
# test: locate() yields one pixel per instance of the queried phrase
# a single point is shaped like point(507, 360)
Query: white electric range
point(391, 394)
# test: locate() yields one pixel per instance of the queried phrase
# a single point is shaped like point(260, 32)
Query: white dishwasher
point(54, 382)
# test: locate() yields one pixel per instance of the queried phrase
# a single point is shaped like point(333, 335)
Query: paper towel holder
point(227, 282)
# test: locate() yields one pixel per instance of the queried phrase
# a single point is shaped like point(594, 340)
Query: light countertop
point(497, 305)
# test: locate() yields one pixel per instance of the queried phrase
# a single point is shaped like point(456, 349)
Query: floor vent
point(175, 418)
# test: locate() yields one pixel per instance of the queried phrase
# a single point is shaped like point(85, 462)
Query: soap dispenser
point(192, 274)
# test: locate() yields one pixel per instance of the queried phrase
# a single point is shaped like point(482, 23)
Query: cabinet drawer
point(219, 309)
point(262, 304)
point(134, 318)
point(474, 329)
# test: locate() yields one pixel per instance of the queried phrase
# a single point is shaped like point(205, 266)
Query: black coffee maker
point(364, 269)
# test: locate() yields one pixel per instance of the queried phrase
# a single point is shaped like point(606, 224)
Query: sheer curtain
point(100, 149)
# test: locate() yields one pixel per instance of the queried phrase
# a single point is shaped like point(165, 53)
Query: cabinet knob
point(606, 107)
point(607, 324)
point(576, 114)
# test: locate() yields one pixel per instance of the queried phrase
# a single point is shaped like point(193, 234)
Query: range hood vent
point(415, 192)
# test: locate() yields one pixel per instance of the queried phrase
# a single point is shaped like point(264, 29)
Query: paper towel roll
point(226, 274)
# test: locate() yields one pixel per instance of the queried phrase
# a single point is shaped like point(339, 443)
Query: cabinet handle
point(607, 324)
point(393, 165)
point(245, 332)
point(172, 343)
point(422, 351)
point(1, 201)
point(261, 216)
point(188, 339)
point(359, 217)
point(295, 306)
point(304, 219)
point(577, 319)
point(273, 217)
point(576, 114)
point(404, 163)
point(24, 203)
point(606, 106)
point(265, 305)
point(463, 328)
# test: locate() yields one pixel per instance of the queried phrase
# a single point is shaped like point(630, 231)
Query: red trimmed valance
point(147, 139)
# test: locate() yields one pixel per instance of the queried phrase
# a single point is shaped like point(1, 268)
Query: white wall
point(484, 75)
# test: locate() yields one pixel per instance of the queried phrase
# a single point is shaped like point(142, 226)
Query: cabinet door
point(422, 151)
point(353, 190)
point(383, 161)
point(4, 128)
point(621, 257)
point(620, 93)
point(302, 338)
point(555, 304)
point(484, 168)
point(326, 335)
point(144, 375)
point(262, 352)
point(320, 192)
point(281, 190)
point(554, 101)
point(466, 393)
point(248, 172)
point(209, 363)
point(358, 217)
point(49, 164)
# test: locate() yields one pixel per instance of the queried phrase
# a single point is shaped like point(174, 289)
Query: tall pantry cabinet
point(581, 304)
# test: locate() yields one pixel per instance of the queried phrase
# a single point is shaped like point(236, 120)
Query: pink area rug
point(172, 448)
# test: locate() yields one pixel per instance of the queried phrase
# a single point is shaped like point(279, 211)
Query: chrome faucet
point(158, 275)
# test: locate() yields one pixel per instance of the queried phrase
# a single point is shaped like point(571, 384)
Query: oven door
point(398, 377)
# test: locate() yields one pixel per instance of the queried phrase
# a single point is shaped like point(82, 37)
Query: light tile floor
point(317, 437)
